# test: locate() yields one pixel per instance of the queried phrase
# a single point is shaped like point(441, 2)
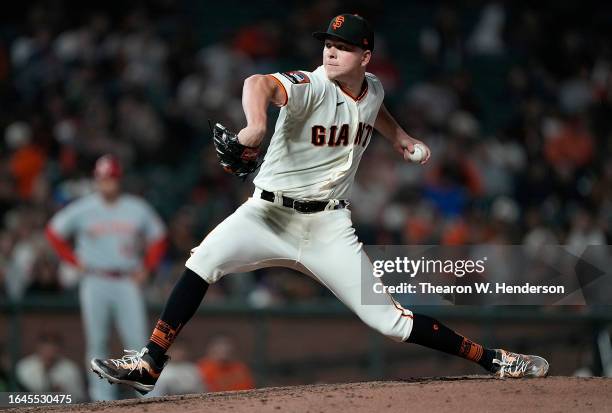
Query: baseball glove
point(234, 157)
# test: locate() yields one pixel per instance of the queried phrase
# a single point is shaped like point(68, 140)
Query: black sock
point(182, 304)
point(429, 332)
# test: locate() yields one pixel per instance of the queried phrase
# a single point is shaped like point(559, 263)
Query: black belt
point(302, 206)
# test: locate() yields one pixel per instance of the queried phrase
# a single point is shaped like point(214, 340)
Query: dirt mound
point(440, 394)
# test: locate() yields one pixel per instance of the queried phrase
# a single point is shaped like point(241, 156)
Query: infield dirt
point(439, 394)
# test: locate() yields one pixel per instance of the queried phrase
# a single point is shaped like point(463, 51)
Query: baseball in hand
point(419, 153)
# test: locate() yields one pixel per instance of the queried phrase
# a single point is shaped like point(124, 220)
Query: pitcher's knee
point(393, 321)
point(397, 329)
point(209, 275)
point(206, 264)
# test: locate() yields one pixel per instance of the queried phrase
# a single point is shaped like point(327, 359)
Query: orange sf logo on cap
point(338, 22)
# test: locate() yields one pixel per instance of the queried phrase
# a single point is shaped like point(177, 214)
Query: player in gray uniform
point(118, 240)
point(298, 215)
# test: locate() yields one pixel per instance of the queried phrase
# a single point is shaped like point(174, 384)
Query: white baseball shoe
point(517, 365)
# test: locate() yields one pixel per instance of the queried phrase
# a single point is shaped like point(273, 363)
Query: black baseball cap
point(350, 28)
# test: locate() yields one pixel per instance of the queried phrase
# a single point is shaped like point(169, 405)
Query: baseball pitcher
point(298, 216)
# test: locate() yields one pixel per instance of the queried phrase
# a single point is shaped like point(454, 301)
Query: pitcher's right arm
point(257, 94)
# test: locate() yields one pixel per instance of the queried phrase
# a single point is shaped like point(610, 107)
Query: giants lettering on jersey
point(340, 136)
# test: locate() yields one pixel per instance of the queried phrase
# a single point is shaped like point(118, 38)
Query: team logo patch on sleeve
point(296, 77)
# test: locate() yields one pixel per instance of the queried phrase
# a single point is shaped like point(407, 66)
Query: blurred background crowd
point(514, 99)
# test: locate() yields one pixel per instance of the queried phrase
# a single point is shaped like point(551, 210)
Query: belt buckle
point(304, 205)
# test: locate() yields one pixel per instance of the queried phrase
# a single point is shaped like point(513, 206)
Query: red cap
point(108, 166)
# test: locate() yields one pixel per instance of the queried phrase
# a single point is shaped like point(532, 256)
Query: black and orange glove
point(234, 157)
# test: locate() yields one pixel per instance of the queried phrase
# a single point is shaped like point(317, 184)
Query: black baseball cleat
point(136, 369)
point(515, 365)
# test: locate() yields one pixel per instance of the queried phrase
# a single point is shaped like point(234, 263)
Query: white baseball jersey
point(320, 136)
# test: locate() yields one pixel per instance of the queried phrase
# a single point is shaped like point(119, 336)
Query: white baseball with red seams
point(320, 135)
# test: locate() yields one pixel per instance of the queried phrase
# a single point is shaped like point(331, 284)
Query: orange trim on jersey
point(361, 95)
point(284, 90)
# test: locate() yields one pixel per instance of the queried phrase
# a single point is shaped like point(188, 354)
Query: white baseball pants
point(322, 245)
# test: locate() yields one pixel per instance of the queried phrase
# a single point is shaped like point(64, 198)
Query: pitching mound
point(452, 394)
